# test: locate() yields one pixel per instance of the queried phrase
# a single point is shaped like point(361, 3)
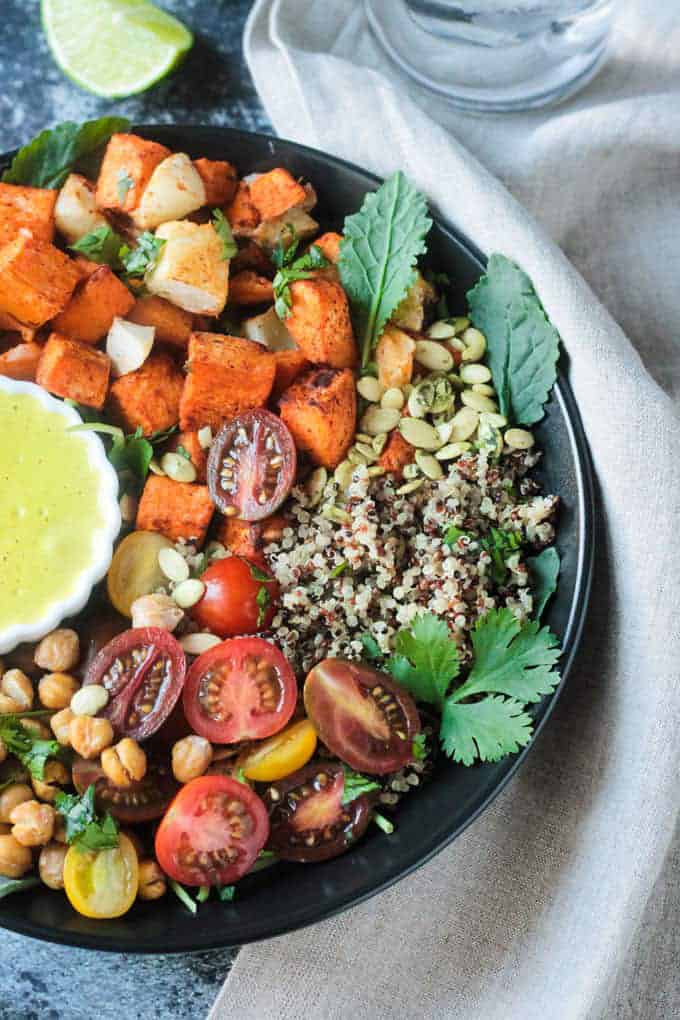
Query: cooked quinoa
point(390, 560)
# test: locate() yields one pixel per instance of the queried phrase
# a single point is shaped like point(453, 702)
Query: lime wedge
point(114, 48)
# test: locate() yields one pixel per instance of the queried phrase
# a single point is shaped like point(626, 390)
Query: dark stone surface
point(39, 981)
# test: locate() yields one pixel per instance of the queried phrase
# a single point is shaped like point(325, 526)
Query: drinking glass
point(495, 55)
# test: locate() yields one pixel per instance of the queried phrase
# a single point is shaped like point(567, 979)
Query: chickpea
point(55, 775)
point(15, 794)
point(59, 651)
point(40, 729)
point(152, 883)
point(51, 865)
point(15, 859)
point(55, 690)
point(8, 706)
point(17, 686)
point(33, 823)
point(61, 726)
point(190, 757)
point(89, 735)
point(125, 763)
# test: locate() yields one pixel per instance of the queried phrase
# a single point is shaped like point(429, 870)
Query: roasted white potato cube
point(267, 329)
point(75, 211)
point(128, 345)
point(174, 190)
point(191, 272)
point(270, 232)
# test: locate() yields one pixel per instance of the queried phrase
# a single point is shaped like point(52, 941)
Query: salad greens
point(290, 268)
point(47, 161)
point(31, 750)
point(522, 343)
point(378, 253)
point(544, 570)
point(144, 256)
point(101, 245)
point(132, 453)
point(84, 828)
point(105, 246)
point(12, 885)
point(356, 784)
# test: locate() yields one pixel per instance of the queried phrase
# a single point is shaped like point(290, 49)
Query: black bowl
point(285, 897)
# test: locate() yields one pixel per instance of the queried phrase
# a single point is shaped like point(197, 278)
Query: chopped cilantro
point(500, 545)
point(203, 893)
point(257, 574)
point(139, 260)
point(452, 534)
point(263, 600)
point(419, 747)
point(371, 647)
point(182, 894)
point(124, 184)
point(356, 785)
point(289, 269)
point(84, 828)
point(32, 751)
point(101, 245)
point(226, 892)
point(223, 230)
point(383, 823)
point(544, 570)
point(340, 569)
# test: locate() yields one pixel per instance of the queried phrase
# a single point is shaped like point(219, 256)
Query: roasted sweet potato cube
point(252, 256)
point(289, 365)
point(320, 324)
point(128, 158)
point(241, 213)
point(226, 375)
point(394, 357)
point(219, 179)
point(396, 454)
point(189, 444)
point(172, 324)
point(149, 397)
point(10, 324)
point(329, 244)
point(248, 538)
point(21, 361)
point(36, 280)
point(320, 410)
point(75, 371)
point(95, 304)
point(29, 208)
point(275, 192)
point(176, 509)
point(249, 288)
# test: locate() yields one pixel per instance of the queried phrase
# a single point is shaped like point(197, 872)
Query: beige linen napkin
point(534, 912)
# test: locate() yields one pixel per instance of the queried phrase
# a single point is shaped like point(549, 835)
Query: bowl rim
point(586, 499)
point(103, 538)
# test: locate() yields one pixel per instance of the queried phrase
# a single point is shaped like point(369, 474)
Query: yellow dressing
point(49, 509)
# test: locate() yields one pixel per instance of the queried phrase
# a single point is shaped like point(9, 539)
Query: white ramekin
point(102, 539)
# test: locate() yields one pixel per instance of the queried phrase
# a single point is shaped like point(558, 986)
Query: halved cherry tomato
point(212, 832)
point(102, 883)
point(241, 689)
point(252, 465)
point(143, 670)
point(139, 802)
point(240, 598)
point(282, 754)
point(362, 715)
point(134, 569)
point(308, 820)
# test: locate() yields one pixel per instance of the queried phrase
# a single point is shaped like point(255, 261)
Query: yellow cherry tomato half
point(282, 754)
point(102, 883)
point(134, 569)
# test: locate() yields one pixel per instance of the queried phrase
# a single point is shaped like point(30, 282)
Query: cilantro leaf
point(83, 827)
point(371, 647)
point(223, 230)
point(511, 658)
point(378, 253)
point(128, 453)
point(50, 157)
point(290, 269)
point(226, 892)
point(124, 184)
point(426, 659)
point(356, 785)
point(263, 600)
point(101, 245)
point(487, 729)
point(452, 534)
point(340, 569)
point(12, 885)
point(544, 570)
point(257, 574)
point(419, 747)
point(143, 257)
point(500, 545)
point(522, 343)
point(31, 751)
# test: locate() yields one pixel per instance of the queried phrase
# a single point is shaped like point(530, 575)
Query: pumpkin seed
point(519, 439)
point(433, 356)
point(444, 430)
point(127, 505)
point(205, 437)
point(489, 438)
point(379, 419)
point(393, 398)
point(155, 468)
point(316, 483)
point(354, 457)
point(411, 471)
point(370, 388)
point(196, 644)
point(178, 468)
point(334, 513)
point(363, 437)
point(499, 420)
point(378, 443)
point(465, 422)
point(404, 490)
point(343, 473)
point(375, 471)
point(174, 566)
point(474, 373)
point(215, 551)
point(188, 593)
point(367, 451)
point(475, 345)
point(484, 389)
point(460, 323)
point(419, 434)
point(416, 407)
point(456, 381)
point(477, 402)
point(441, 330)
point(430, 467)
point(452, 450)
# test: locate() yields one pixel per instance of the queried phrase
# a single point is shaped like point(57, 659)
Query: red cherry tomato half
point(240, 598)
point(308, 820)
point(241, 689)
point(143, 670)
point(252, 465)
point(212, 832)
point(362, 715)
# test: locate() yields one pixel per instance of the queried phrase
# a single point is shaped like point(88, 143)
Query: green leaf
point(291, 269)
point(223, 231)
point(383, 823)
point(511, 658)
point(500, 545)
point(487, 729)
point(419, 747)
point(203, 893)
point(371, 647)
point(381, 244)
point(522, 344)
point(83, 826)
point(257, 574)
point(226, 892)
point(426, 659)
point(182, 894)
point(47, 161)
point(143, 257)
point(452, 534)
point(340, 569)
point(263, 600)
point(12, 885)
point(31, 751)
point(128, 453)
point(124, 183)
point(544, 570)
point(101, 245)
point(356, 785)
